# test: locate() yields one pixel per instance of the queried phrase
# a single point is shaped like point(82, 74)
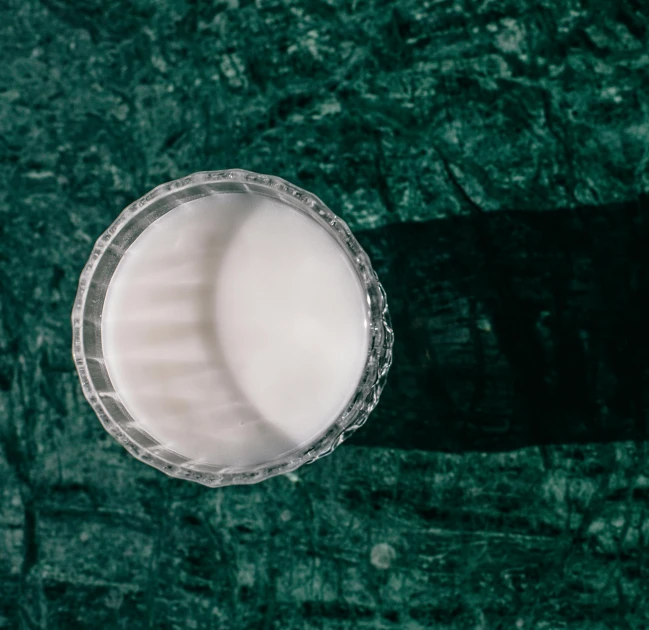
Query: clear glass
point(88, 306)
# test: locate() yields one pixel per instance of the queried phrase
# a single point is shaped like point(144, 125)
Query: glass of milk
point(228, 328)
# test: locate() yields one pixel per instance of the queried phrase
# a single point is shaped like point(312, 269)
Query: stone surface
point(493, 158)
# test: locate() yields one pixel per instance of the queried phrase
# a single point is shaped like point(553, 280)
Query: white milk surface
point(235, 329)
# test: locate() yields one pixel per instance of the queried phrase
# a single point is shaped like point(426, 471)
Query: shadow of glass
point(515, 329)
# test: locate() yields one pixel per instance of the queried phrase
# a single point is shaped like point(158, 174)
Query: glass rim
point(88, 306)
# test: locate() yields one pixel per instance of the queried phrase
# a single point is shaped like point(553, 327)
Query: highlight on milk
point(228, 327)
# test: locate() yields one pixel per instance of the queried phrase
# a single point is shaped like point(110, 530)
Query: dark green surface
point(493, 158)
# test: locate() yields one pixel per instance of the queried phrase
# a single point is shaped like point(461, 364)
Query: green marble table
point(493, 158)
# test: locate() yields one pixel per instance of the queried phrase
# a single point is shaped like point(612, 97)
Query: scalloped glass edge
point(144, 447)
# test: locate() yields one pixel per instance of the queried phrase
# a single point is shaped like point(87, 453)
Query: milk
point(235, 329)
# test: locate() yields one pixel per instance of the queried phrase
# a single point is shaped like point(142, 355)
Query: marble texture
point(514, 136)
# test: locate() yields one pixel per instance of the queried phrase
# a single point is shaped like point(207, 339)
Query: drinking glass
point(87, 333)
